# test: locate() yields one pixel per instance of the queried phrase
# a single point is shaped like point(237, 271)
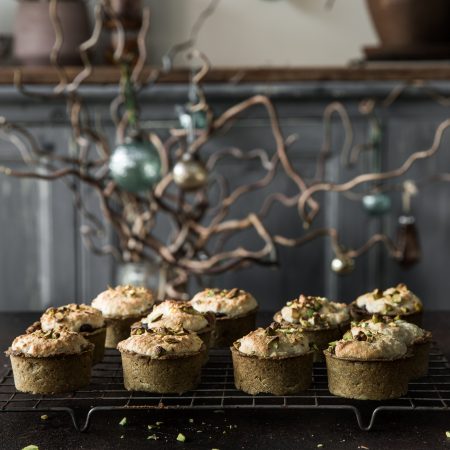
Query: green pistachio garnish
point(189, 310)
point(447, 433)
point(347, 336)
point(375, 319)
point(181, 437)
point(123, 422)
point(153, 437)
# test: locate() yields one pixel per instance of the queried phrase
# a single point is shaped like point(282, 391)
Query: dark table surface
point(230, 429)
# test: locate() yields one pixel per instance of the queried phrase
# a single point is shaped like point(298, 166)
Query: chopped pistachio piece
point(31, 447)
point(44, 417)
point(319, 445)
point(181, 437)
point(447, 433)
point(191, 420)
point(153, 437)
point(122, 436)
point(123, 422)
point(159, 423)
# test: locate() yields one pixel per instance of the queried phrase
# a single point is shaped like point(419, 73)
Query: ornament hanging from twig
point(342, 264)
point(376, 203)
point(408, 241)
point(135, 165)
point(189, 173)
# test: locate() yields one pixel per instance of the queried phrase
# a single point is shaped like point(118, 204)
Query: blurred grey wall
point(338, 34)
point(42, 259)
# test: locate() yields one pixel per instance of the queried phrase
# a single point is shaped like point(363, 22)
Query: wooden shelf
point(368, 72)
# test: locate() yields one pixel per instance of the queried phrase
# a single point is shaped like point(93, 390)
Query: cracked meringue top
point(313, 312)
point(392, 301)
point(175, 314)
point(124, 301)
point(161, 342)
point(79, 318)
point(41, 344)
point(274, 341)
point(223, 302)
point(401, 330)
point(364, 344)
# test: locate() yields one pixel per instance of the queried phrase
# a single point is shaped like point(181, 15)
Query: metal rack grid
point(216, 391)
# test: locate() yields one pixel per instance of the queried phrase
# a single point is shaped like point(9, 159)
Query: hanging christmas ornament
point(408, 242)
point(342, 264)
point(135, 165)
point(198, 118)
point(190, 173)
point(194, 108)
point(377, 204)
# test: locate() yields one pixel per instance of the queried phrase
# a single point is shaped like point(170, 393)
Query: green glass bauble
point(376, 204)
point(135, 165)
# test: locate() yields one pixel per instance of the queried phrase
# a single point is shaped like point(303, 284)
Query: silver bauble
point(190, 173)
point(342, 265)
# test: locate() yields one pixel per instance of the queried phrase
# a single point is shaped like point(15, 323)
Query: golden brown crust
point(40, 344)
point(73, 317)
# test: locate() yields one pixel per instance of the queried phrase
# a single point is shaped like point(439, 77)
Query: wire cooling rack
point(217, 391)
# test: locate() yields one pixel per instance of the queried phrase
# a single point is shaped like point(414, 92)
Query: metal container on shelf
point(34, 34)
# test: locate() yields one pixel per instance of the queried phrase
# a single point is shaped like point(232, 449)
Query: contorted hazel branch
point(307, 194)
point(202, 230)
